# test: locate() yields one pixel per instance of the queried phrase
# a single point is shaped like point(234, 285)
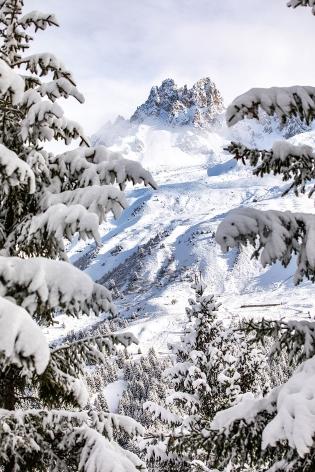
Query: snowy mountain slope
point(153, 251)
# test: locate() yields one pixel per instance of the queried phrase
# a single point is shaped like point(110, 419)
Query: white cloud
point(117, 49)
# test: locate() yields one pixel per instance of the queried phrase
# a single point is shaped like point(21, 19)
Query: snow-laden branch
point(22, 342)
point(44, 119)
point(64, 438)
point(281, 101)
point(296, 338)
point(60, 88)
point(97, 166)
point(40, 285)
point(97, 199)
point(279, 235)
point(302, 3)
point(38, 19)
point(293, 163)
point(98, 454)
point(247, 409)
point(39, 112)
point(11, 82)
point(60, 221)
point(93, 349)
point(42, 64)
point(165, 415)
point(14, 171)
point(291, 405)
point(126, 424)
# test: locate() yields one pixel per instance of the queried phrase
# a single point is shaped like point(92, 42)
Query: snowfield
point(154, 250)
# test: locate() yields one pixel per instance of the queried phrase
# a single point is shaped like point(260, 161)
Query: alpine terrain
point(151, 254)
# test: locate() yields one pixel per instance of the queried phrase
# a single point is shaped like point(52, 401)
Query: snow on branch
point(84, 439)
point(97, 166)
point(60, 221)
point(24, 434)
point(246, 409)
point(295, 163)
point(98, 454)
point(37, 113)
point(14, 171)
point(296, 338)
point(22, 342)
point(96, 199)
point(126, 424)
point(38, 19)
point(279, 235)
point(295, 420)
point(302, 3)
point(93, 349)
point(123, 171)
point(44, 119)
point(11, 82)
point(62, 128)
point(68, 364)
point(165, 415)
point(56, 380)
point(60, 88)
point(40, 285)
point(291, 407)
point(281, 101)
point(42, 64)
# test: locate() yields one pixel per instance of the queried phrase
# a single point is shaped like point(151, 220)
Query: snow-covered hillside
point(153, 251)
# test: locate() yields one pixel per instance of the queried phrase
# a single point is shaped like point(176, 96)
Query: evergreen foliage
point(214, 366)
point(296, 163)
point(302, 3)
point(46, 199)
point(144, 380)
point(276, 432)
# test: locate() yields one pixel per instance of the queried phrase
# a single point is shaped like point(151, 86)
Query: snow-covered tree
point(283, 417)
point(144, 382)
point(276, 432)
point(45, 199)
point(214, 366)
point(280, 235)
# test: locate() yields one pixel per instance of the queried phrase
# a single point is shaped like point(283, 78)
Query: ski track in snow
point(165, 237)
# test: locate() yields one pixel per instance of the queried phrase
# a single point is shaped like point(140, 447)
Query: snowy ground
point(166, 236)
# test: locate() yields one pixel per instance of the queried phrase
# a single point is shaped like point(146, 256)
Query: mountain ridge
point(198, 106)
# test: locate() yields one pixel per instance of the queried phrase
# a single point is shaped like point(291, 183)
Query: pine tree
point(211, 372)
point(46, 198)
point(144, 381)
point(276, 432)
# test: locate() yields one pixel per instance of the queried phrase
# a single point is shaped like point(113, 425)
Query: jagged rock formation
point(184, 111)
point(198, 106)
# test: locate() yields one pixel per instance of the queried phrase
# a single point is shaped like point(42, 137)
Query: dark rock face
point(198, 106)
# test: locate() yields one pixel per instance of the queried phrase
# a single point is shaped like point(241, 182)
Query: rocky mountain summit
point(198, 106)
point(190, 115)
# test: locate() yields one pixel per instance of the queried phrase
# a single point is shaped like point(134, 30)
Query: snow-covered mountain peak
point(150, 255)
point(198, 106)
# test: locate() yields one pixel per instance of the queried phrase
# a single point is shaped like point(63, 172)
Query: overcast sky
point(117, 49)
